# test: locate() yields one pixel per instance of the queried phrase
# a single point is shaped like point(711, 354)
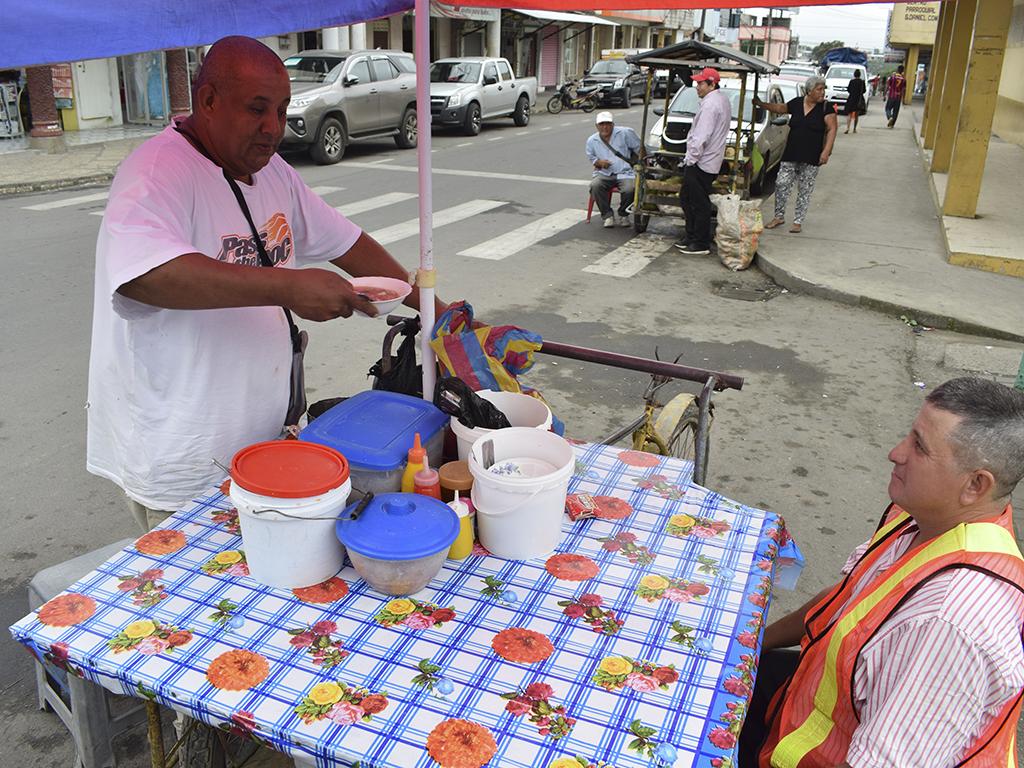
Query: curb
point(925, 317)
point(28, 187)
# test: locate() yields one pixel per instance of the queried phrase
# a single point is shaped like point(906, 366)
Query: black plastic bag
point(454, 397)
point(400, 373)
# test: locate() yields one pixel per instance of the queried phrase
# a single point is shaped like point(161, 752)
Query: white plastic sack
point(739, 228)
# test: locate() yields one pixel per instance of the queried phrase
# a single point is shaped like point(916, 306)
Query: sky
point(859, 26)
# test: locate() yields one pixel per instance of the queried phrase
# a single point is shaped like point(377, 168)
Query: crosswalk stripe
point(628, 259)
point(361, 206)
point(446, 216)
point(519, 239)
point(67, 201)
point(475, 174)
point(326, 190)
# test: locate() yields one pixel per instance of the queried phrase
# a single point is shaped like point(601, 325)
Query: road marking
point(519, 239)
point(362, 206)
point(68, 201)
point(378, 162)
point(326, 190)
point(628, 259)
point(546, 128)
point(446, 216)
point(476, 174)
point(496, 138)
point(464, 144)
point(522, 133)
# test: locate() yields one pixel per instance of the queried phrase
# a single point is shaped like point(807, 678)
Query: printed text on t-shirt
point(276, 236)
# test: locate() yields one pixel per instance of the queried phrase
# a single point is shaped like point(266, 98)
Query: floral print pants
point(805, 175)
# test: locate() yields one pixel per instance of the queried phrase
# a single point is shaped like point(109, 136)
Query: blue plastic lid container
point(400, 526)
point(374, 430)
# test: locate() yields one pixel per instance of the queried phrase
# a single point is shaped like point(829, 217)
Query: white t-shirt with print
point(171, 390)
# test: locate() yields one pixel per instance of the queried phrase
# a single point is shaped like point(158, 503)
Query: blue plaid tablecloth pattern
point(690, 583)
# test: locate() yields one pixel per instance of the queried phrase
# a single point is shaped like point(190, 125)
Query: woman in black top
point(812, 131)
point(855, 100)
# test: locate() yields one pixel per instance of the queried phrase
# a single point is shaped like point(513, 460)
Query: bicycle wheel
point(555, 105)
point(589, 105)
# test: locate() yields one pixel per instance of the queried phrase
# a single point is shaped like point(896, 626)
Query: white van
point(838, 78)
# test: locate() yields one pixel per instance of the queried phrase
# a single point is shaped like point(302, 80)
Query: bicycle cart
point(659, 170)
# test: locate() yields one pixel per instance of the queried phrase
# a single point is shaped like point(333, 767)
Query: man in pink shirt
point(914, 660)
point(705, 149)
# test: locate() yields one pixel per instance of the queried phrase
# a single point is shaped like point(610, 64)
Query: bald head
point(239, 105)
point(232, 56)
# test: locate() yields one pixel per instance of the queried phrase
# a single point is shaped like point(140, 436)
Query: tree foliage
point(822, 48)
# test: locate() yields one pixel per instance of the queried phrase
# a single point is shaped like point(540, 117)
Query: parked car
point(838, 77)
point(617, 81)
point(344, 96)
point(802, 69)
point(670, 131)
point(468, 90)
point(663, 84)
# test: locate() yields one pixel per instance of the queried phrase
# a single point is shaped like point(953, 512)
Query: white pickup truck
point(468, 90)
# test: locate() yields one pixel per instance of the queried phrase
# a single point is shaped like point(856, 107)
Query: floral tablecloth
point(635, 645)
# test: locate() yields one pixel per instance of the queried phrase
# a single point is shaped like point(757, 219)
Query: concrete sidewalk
point(873, 237)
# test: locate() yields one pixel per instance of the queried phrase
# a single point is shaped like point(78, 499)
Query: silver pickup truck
point(344, 96)
point(469, 90)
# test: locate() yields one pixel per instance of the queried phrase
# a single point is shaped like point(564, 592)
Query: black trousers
point(892, 108)
point(696, 202)
point(773, 669)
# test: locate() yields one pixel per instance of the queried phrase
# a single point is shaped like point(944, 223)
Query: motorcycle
point(571, 96)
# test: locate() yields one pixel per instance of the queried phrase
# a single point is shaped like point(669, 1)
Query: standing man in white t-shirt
point(191, 350)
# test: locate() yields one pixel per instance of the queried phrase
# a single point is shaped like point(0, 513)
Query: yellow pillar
point(910, 69)
point(953, 87)
point(991, 24)
point(937, 73)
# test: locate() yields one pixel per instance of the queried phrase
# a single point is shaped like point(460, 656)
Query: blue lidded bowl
point(400, 541)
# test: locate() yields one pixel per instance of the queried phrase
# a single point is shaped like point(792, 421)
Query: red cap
point(290, 469)
point(707, 74)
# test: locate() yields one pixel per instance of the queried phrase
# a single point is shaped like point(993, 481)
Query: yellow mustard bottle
point(413, 465)
point(462, 547)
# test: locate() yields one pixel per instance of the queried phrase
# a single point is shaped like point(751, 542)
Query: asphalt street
point(830, 388)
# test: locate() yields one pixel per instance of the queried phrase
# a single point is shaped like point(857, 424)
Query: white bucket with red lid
point(289, 494)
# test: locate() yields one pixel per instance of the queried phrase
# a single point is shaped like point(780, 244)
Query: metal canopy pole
point(425, 277)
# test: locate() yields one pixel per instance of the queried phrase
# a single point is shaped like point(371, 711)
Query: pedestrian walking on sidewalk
point(705, 150)
point(854, 100)
point(612, 151)
point(894, 95)
point(812, 131)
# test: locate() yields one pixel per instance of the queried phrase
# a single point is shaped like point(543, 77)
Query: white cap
point(604, 117)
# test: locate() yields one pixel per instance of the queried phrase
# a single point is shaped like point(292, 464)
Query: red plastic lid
point(289, 469)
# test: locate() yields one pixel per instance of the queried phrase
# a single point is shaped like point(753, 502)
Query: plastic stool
point(92, 714)
point(590, 201)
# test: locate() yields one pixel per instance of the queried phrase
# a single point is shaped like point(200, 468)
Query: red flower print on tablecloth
point(242, 725)
point(625, 544)
point(413, 614)
point(145, 587)
point(66, 610)
point(523, 646)
point(149, 637)
point(225, 487)
point(324, 592)
point(237, 670)
point(230, 562)
point(461, 744)
point(747, 639)
point(479, 550)
point(317, 641)
point(340, 703)
point(682, 526)
point(163, 541)
point(58, 657)
point(638, 459)
point(588, 608)
point(654, 587)
point(661, 486)
point(535, 700)
point(229, 517)
point(617, 672)
point(569, 567)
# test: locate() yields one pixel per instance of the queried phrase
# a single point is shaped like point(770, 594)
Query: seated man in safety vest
point(915, 658)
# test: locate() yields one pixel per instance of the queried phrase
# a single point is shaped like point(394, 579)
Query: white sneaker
point(625, 222)
point(609, 222)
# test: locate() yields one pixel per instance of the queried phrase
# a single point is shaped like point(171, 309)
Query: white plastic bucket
point(287, 553)
point(520, 410)
point(519, 517)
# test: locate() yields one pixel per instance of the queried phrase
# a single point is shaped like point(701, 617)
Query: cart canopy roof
point(695, 54)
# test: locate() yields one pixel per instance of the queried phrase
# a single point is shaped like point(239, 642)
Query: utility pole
point(768, 45)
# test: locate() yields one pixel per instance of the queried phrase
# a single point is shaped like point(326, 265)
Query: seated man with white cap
point(609, 151)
